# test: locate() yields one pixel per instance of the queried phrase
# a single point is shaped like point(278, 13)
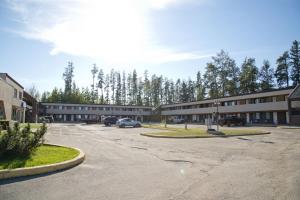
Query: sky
point(174, 38)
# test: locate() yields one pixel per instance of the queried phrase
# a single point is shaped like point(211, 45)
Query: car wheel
point(228, 124)
point(122, 126)
point(137, 126)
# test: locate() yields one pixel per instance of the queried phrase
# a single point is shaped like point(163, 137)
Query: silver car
point(122, 123)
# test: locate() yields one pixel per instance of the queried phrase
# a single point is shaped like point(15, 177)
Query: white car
point(122, 123)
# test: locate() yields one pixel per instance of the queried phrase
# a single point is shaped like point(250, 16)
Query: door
point(281, 117)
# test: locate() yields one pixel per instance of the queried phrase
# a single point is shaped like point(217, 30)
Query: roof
point(295, 94)
point(8, 76)
point(83, 104)
point(240, 95)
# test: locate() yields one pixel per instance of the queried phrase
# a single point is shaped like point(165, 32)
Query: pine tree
point(184, 96)
point(177, 90)
point(200, 89)
point(295, 62)
point(282, 70)
point(211, 80)
point(147, 89)
point(118, 90)
point(166, 92)
point(140, 92)
point(190, 90)
point(134, 86)
point(106, 89)
point(248, 77)
point(266, 75)
point(68, 78)
point(94, 71)
point(124, 88)
point(129, 90)
point(100, 84)
point(113, 85)
point(172, 92)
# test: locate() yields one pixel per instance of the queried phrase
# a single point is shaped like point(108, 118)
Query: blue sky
point(175, 38)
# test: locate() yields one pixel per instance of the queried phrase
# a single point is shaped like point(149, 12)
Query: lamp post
point(217, 103)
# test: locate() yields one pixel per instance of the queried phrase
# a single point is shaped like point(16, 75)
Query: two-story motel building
point(64, 112)
point(272, 107)
point(11, 95)
point(262, 107)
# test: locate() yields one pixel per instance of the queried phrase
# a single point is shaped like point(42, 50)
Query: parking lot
point(121, 164)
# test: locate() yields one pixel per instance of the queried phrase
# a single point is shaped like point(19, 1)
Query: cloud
point(114, 31)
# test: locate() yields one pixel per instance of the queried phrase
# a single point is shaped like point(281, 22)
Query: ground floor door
point(281, 117)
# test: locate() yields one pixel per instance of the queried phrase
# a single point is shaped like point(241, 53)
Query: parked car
point(122, 123)
point(46, 119)
point(232, 120)
point(108, 121)
point(178, 121)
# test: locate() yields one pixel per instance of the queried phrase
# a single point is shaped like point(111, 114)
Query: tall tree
point(134, 86)
point(200, 89)
point(282, 70)
point(147, 89)
point(129, 90)
point(184, 96)
point(191, 90)
point(100, 85)
point(106, 89)
point(266, 75)
point(211, 80)
point(113, 85)
point(33, 91)
point(248, 77)
point(295, 62)
point(123, 88)
point(139, 97)
point(118, 90)
point(172, 92)
point(177, 90)
point(94, 71)
point(68, 78)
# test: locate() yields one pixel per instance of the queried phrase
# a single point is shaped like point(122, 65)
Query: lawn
point(194, 132)
point(32, 125)
point(45, 154)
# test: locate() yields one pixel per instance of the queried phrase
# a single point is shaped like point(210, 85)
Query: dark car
point(232, 120)
point(108, 121)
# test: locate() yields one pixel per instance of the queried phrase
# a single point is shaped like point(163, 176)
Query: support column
point(72, 118)
point(287, 117)
point(65, 118)
point(247, 118)
point(275, 121)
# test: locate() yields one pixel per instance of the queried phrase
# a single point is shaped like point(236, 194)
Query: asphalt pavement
point(122, 165)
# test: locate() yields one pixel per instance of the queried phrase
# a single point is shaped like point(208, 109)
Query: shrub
point(4, 124)
point(22, 142)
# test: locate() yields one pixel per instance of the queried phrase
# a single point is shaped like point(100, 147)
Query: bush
point(21, 142)
point(4, 124)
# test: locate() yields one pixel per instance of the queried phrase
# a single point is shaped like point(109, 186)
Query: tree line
point(222, 77)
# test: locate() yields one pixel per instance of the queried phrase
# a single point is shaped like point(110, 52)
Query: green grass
point(32, 125)
point(45, 154)
point(195, 132)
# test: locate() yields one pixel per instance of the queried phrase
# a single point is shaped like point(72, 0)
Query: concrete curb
point(289, 127)
point(12, 173)
point(208, 136)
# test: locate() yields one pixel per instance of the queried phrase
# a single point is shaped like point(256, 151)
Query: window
point(265, 99)
point(20, 95)
point(15, 93)
point(242, 102)
point(280, 98)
